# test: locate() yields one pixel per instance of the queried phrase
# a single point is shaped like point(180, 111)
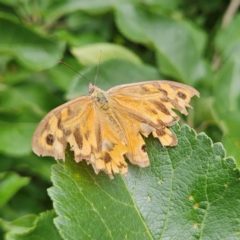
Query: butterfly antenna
point(99, 60)
point(72, 69)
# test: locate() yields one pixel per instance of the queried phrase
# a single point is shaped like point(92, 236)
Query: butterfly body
point(105, 126)
point(100, 98)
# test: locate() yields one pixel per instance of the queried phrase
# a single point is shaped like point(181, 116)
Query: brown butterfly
point(105, 126)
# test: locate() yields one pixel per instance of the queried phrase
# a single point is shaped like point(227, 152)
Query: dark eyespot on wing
point(107, 158)
point(50, 139)
point(144, 148)
point(182, 95)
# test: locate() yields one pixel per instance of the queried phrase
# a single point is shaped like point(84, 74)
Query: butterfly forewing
point(151, 103)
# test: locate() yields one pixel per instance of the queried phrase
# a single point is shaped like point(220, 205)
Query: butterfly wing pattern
point(104, 127)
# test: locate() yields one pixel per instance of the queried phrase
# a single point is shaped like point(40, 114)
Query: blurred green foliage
point(197, 43)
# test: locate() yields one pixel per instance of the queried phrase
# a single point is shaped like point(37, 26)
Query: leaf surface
point(188, 191)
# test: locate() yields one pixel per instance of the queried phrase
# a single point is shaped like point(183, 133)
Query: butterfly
point(106, 126)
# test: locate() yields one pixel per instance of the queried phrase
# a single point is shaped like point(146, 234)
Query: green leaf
point(15, 138)
point(32, 50)
point(227, 88)
point(163, 5)
point(30, 97)
point(62, 76)
point(112, 73)
point(18, 75)
point(227, 104)
point(32, 227)
point(89, 55)
point(32, 164)
point(231, 36)
point(57, 9)
point(20, 225)
point(198, 35)
point(10, 183)
point(189, 191)
point(177, 50)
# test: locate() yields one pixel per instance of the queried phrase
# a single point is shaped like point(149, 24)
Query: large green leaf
point(89, 55)
point(176, 45)
point(189, 191)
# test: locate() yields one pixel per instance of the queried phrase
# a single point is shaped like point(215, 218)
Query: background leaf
point(227, 88)
point(30, 49)
point(21, 133)
point(10, 183)
point(89, 55)
point(170, 41)
point(33, 227)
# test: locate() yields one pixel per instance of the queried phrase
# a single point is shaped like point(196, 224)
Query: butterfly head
point(91, 88)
